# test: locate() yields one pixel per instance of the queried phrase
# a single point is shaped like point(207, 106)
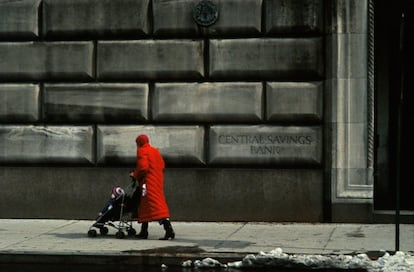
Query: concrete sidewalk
point(33, 240)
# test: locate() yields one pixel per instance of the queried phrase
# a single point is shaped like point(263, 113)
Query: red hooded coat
point(150, 171)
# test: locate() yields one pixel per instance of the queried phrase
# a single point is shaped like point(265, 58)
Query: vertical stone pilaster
point(346, 96)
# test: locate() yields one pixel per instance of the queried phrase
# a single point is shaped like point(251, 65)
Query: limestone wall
point(236, 108)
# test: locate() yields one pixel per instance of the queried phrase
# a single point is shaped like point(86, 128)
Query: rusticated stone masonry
point(79, 79)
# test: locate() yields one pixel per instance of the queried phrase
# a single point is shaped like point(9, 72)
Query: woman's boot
point(169, 232)
point(143, 234)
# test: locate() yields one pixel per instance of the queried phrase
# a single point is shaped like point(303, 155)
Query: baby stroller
point(121, 208)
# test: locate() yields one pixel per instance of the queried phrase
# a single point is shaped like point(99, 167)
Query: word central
point(265, 139)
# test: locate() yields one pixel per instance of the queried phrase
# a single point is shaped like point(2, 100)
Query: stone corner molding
point(351, 182)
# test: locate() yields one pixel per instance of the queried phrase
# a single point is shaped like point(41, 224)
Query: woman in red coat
point(149, 173)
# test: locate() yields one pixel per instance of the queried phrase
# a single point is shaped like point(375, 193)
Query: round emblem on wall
point(205, 13)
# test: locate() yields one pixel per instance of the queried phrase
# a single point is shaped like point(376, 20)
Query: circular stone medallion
point(205, 13)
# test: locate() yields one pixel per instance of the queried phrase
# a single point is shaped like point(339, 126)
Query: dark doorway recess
point(390, 64)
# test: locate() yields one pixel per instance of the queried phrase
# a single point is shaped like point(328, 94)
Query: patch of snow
point(399, 262)
point(208, 263)
point(187, 263)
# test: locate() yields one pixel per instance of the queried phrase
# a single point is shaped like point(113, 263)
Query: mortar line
point(329, 238)
point(231, 234)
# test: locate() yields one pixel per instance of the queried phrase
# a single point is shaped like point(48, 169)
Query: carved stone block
point(265, 145)
point(46, 60)
point(207, 102)
point(46, 144)
point(95, 18)
point(150, 59)
point(177, 144)
point(294, 101)
point(294, 16)
point(96, 103)
point(19, 103)
point(273, 58)
point(234, 17)
point(19, 19)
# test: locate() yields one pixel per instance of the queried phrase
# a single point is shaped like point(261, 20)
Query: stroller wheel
point(120, 235)
point(131, 232)
point(92, 233)
point(103, 230)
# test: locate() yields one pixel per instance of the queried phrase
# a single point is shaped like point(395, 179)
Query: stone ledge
point(192, 194)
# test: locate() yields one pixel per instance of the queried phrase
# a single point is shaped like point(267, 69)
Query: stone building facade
point(264, 115)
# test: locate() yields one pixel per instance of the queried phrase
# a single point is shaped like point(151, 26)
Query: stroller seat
point(122, 208)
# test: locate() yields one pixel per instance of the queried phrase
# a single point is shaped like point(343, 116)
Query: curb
point(123, 258)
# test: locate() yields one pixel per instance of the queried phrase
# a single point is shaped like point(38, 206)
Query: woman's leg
point(169, 232)
point(143, 234)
